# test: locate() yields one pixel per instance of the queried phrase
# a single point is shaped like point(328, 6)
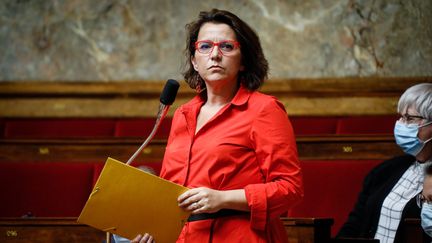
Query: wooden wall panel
point(97, 150)
point(302, 97)
point(47, 230)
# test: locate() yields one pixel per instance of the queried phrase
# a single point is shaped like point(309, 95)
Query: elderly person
point(425, 201)
point(233, 146)
point(390, 190)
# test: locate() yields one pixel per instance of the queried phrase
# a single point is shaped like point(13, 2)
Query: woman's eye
point(204, 46)
point(226, 46)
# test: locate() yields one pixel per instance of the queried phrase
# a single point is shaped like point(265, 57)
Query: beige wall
point(50, 40)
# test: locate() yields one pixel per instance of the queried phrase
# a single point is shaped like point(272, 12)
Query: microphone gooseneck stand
point(163, 110)
point(166, 99)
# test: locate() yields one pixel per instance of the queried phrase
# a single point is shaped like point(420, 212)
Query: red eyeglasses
point(225, 46)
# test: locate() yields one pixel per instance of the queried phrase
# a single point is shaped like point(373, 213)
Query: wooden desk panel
point(310, 97)
point(78, 150)
point(97, 150)
point(333, 147)
point(299, 230)
point(46, 230)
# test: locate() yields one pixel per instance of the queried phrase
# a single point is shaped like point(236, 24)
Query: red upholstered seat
point(366, 125)
point(59, 128)
point(142, 127)
point(44, 189)
point(2, 128)
point(331, 189)
point(314, 125)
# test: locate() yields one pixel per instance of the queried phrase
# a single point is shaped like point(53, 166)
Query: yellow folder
point(127, 201)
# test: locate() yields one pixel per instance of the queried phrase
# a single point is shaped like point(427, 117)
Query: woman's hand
point(201, 200)
point(206, 200)
point(146, 238)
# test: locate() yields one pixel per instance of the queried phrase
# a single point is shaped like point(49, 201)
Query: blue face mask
point(406, 137)
point(426, 218)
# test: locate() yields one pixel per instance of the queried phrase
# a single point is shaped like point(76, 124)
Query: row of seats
point(79, 128)
point(141, 127)
point(59, 189)
point(331, 188)
point(50, 189)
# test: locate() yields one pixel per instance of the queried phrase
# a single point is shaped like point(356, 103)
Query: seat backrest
point(2, 129)
point(366, 125)
point(142, 127)
point(314, 125)
point(59, 128)
point(331, 188)
point(44, 189)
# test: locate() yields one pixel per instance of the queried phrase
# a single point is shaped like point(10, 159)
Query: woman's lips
point(215, 67)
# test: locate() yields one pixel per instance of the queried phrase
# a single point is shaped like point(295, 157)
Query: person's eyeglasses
point(420, 200)
point(225, 46)
point(410, 119)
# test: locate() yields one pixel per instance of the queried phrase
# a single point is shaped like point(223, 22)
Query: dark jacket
point(363, 220)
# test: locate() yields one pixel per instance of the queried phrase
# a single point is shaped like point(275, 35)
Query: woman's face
point(217, 68)
point(424, 134)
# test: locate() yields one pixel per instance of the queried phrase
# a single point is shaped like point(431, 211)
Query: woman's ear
point(194, 64)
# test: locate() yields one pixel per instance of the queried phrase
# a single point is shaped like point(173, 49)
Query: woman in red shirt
point(231, 144)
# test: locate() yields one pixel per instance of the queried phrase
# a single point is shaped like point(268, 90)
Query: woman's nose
point(216, 53)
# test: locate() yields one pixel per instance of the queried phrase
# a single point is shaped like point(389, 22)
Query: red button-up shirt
point(249, 144)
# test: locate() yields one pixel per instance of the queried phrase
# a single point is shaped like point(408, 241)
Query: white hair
point(418, 97)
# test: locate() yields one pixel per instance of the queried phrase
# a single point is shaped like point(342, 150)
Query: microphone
point(167, 97)
point(169, 92)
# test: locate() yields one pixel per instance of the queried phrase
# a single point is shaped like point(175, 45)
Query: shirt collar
point(241, 98)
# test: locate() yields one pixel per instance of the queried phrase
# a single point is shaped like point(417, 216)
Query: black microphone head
point(169, 92)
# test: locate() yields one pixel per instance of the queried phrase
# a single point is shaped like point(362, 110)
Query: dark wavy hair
point(255, 64)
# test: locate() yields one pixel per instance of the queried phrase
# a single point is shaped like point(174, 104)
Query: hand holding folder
point(127, 201)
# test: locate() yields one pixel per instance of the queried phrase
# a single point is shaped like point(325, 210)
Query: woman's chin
point(217, 77)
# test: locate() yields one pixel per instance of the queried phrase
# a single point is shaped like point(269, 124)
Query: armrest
point(308, 229)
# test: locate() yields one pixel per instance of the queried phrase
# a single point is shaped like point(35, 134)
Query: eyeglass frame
point(420, 200)
point(409, 119)
point(236, 45)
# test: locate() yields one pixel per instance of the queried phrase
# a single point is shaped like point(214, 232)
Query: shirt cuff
point(257, 201)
